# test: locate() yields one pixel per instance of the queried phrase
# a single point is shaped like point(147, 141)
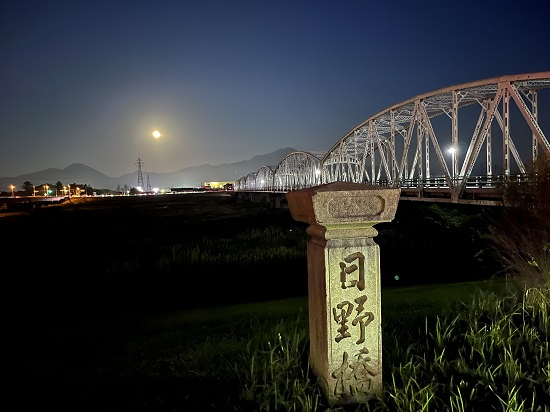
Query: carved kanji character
point(347, 270)
point(345, 308)
point(363, 320)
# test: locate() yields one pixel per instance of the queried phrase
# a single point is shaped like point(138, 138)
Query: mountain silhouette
point(193, 176)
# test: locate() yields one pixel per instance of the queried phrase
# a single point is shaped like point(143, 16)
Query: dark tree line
point(521, 234)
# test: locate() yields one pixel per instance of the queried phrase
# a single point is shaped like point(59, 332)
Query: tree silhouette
point(27, 188)
point(521, 234)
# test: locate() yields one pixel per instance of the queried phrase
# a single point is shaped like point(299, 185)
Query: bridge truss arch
point(264, 178)
point(435, 139)
point(454, 144)
point(298, 170)
point(240, 184)
point(247, 183)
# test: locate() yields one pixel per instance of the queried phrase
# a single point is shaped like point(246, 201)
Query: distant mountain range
point(187, 177)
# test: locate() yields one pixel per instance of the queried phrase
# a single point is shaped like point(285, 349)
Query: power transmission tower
point(148, 185)
point(139, 163)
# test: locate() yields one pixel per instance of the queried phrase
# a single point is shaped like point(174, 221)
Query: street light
point(453, 151)
point(12, 187)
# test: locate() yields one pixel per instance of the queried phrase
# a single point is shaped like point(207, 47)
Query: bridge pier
point(344, 285)
point(273, 200)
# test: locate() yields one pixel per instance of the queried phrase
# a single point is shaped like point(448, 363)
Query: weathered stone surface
point(344, 284)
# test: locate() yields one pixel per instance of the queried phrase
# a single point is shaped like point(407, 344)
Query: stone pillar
point(344, 284)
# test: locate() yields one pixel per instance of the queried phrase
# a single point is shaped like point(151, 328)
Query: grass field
point(113, 314)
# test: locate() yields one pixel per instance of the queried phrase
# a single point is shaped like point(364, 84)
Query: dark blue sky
point(89, 81)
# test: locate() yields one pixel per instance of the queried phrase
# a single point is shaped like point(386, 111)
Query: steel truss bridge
point(457, 144)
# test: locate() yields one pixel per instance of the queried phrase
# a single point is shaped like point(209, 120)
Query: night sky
point(222, 81)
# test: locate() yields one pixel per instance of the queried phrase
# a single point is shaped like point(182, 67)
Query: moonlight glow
point(156, 134)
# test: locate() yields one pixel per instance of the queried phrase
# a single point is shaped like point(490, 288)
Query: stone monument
point(344, 284)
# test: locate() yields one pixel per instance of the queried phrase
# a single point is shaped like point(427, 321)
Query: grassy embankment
point(156, 331)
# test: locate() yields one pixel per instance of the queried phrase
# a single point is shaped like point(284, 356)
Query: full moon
point(156, 134)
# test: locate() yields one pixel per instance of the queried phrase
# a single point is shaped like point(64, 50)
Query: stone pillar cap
point(343, 203)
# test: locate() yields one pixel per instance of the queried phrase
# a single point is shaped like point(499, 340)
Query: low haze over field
point(222, 81)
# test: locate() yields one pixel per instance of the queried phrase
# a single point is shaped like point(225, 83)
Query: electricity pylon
point(139, 163)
